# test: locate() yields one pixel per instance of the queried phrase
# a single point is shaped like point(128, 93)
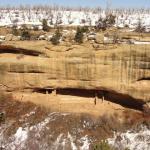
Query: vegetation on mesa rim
point(15, 31)
point(79, 35)
point(103, 24)
point(25, 34)
point(56, 37)
point(45, 25)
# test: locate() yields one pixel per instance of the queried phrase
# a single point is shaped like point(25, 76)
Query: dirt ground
point(73, 104)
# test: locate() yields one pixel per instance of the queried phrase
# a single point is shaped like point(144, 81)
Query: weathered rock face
point(125, 70)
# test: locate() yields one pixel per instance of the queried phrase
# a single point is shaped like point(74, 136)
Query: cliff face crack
point(12, 50)
point(142, 79)
point(34, 71)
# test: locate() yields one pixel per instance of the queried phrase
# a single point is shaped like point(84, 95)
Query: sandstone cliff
point(122, 72)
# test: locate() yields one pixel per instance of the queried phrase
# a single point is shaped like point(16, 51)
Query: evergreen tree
point(25, 34)
point(79, 36)
point(139, 27)
point(107, 22)
point(45, 26)
point(56, 37)
point(15, 31)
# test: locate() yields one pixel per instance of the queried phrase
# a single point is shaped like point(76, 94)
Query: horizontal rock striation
point(124, 70)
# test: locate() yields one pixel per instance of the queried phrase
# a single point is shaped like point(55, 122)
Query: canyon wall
point(123, 70)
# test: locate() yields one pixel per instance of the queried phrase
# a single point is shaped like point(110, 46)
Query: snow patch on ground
point(20, 138)
point(86, 143)
point(71, 18)
point(132, 139)
point(17, 140)
point(73, 146)
point(57, 143)
point(141, 42)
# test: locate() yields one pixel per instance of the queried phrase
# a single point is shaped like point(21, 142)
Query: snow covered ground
point(133, 140)
point(9, 17)
point(31, 137)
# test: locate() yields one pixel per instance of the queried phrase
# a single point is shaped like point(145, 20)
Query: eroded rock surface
point(124, 70)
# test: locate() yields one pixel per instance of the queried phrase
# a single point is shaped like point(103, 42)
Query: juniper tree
point(25, 34)
point(79, 35)
point(56, 37)
point(45, 26)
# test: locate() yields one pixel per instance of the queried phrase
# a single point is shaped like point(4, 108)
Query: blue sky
point(92, 3)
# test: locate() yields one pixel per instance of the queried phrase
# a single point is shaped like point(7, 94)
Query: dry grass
point(97, 128)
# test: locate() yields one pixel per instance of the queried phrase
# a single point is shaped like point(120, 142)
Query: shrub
point(139, 27)
point(25, 34)
point(126, 26)
point(102, 146)
point(35, 28)
point(101, 24)
point(127, 149)
point(2, 117)
point(3, 98)
point(79, 35)
point(85, 29)
point(110, 19)
point(107, 22)
point(83, 21)
point(45, 26)
point(15, 31)
point(56, 37)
